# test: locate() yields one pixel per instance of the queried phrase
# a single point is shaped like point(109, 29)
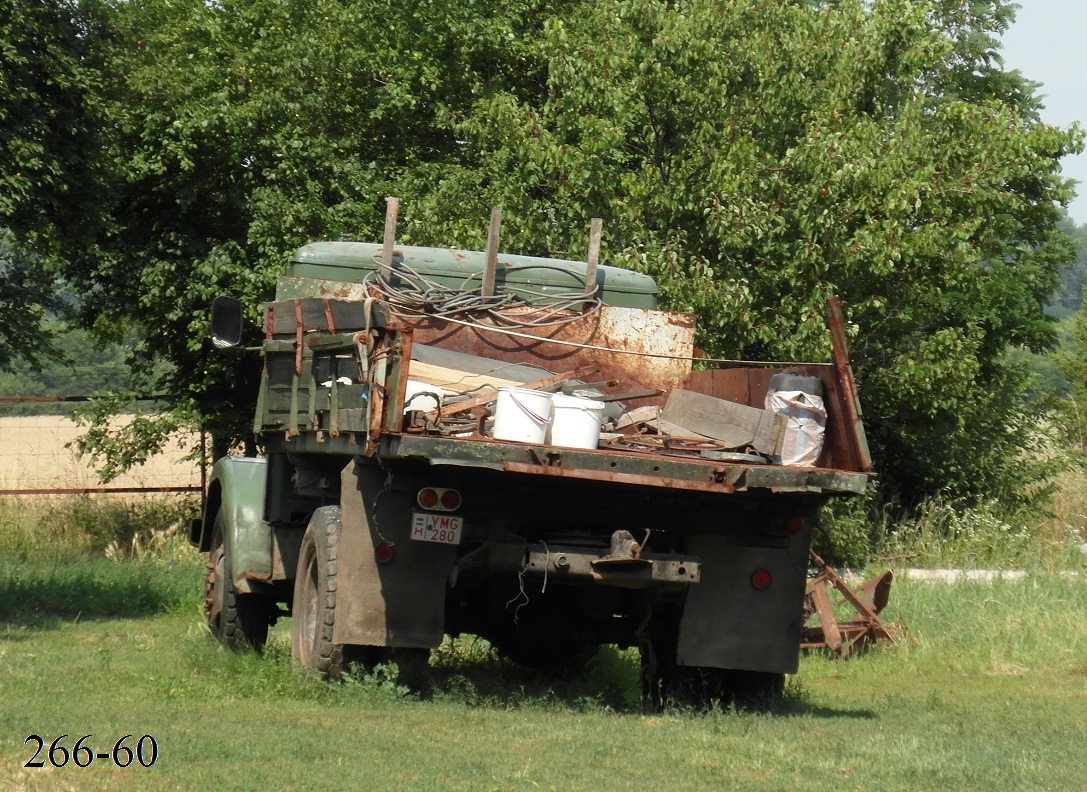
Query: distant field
point(35, 454)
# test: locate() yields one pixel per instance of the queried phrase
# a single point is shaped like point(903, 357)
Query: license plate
point(440, 528)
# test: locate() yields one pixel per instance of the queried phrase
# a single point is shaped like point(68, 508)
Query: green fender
point(237, 488)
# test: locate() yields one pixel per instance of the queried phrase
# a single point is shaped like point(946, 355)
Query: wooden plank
point(650, 416)
point(457, 380)
point(736, 425)
point(479, 401)
point(477, 364)
point(458, 372)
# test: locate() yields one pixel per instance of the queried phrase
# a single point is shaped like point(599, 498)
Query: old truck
point(413, 482)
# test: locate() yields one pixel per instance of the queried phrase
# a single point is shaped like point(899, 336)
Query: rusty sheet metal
point(850, 396)
point(715, 482)
point(841, 450)
point(624, 340)
point(725, 478)
point(625, 337)
point(658, 470)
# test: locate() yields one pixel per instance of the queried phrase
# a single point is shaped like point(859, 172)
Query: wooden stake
point(593, 261)
point(491, 266)
point(392, 207)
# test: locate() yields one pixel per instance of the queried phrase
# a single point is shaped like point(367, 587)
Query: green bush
point(946, 534)
point(960, 534)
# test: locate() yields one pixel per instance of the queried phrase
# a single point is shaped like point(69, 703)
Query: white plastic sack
point(807, 422)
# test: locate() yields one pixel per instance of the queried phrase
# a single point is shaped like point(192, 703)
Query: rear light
point(383, 553)
point(761, 579)
point(795, 525)
point(438, 499)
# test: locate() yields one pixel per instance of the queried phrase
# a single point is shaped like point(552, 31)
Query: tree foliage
point(755, 156)
point(759, 157)
point(1069, 296)
point(241, 130)
point(51, 57)
point(1071, 356)
point(50, 53)
point(26, 294)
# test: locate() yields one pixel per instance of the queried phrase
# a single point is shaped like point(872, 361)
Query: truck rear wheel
point(314, 613)
point(314, 606)
point(237, 621)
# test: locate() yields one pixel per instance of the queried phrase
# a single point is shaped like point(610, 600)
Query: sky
point(1046, 43)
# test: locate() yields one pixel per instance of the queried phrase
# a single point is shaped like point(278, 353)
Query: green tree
point(49, 82)
point(27, 292)
point(1069, 296)
point(241, 130)
point(758, 157)
point(1071, 360)
point(754, 156)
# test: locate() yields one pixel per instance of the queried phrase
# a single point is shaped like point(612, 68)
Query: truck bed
point(336, 375)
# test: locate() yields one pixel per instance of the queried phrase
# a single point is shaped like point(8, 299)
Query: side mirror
point(227, 320)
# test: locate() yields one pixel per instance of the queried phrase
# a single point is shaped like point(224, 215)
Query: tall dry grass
point(67, 529)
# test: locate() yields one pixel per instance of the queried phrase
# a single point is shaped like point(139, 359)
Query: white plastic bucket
point(422, 396)
point(521, 415)
point(575, 422)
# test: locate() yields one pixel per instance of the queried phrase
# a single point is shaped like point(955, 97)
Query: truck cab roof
point(339, 269)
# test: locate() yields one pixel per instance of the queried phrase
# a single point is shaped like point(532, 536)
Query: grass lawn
point(989, 691)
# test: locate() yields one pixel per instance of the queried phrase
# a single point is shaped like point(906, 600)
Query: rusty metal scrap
point(843, 638)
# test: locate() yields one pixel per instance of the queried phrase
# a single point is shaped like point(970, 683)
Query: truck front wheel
point(237, 621)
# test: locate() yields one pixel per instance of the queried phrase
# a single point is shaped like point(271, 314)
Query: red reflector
point(450, 500)
point(760, 579)
point(383, 553)
point(795, 525)
point(427, 498)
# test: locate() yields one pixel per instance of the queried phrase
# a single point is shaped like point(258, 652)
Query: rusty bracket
point(553, 458)
point(868, 599)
